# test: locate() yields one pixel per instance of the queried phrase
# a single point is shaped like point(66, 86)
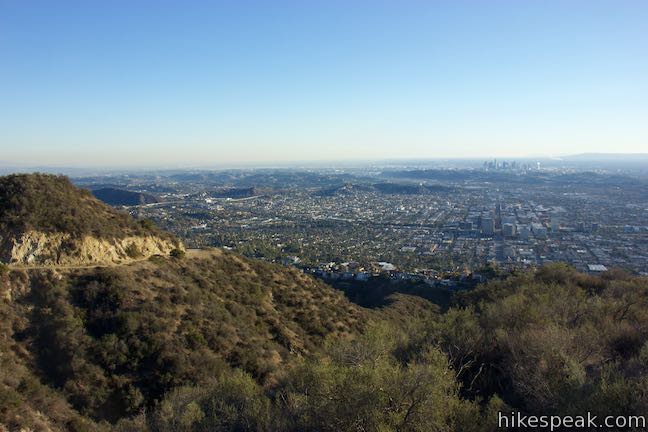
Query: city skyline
point(164, 84)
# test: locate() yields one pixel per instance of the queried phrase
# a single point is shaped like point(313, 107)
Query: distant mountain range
point(609, 157)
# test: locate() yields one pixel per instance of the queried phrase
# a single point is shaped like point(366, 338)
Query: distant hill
point(345, 189)
point(45, 219)
point(121, 197)
point(396, 188)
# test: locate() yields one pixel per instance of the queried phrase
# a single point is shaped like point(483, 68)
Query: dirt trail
point(191, 253)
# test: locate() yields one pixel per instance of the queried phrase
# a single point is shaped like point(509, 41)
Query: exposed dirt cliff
point(46, 221)
point(36, 248)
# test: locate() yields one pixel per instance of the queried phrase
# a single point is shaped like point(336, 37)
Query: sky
point(210, 83)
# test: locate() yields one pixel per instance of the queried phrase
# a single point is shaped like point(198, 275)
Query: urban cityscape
point(425, 224)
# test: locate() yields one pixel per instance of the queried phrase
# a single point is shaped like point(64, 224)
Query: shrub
point(133, 251)
point(147, 224)
point(157, 259)
point(178, 253)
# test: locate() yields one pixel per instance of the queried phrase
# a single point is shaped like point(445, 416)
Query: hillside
point(121, 197)
point(45, 220)
point(104, 343)
point(217, 342)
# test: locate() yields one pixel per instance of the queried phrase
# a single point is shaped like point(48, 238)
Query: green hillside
point(214, 341)
point(50, 203)
point(113, 340)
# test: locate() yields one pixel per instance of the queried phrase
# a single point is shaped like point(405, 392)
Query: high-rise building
point(539, 231)
point(488, 226)
point(508, 229)
point(555, 225)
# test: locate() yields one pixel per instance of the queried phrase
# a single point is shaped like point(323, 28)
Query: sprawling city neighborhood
point(433, 224)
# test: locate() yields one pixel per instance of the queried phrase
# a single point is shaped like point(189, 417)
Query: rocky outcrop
point(34, 248)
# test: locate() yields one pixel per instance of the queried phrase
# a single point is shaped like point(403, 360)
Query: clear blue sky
point(215, 82)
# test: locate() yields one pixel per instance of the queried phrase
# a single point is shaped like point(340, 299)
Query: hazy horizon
point(586, 161)
point(165, 84)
